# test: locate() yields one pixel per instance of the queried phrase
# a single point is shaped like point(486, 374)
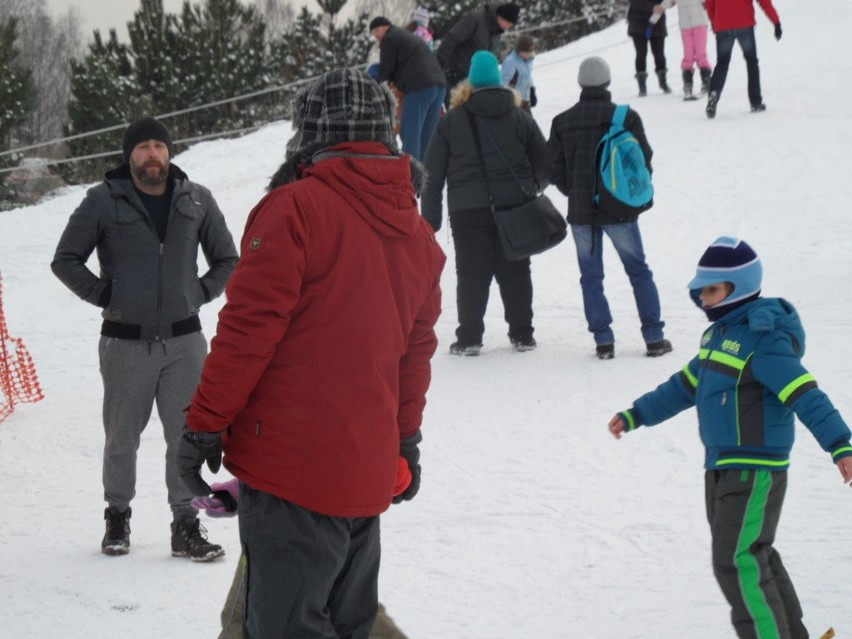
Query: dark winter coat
point(407, 61)
point(142, 281)
point(639, 14)
point(737, 14)
point(452, 156)
point(321, 359)
point(475, 31)
point(747, 383)
point(574, 137)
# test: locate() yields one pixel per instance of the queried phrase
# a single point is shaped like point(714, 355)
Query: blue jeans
point(420, 113)
point(627, 241)
point(724, 47)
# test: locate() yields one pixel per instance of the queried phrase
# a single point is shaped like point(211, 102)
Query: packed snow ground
point(532, 520)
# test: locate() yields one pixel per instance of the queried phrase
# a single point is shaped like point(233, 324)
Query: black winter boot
point(705, 78)
point(117, 536)
point(189, 540)
point(687, 84)
point(661, 76)
point(643, 87)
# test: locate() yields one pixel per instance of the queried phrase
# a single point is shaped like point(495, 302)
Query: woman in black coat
point(509, 137)
point(642, 30)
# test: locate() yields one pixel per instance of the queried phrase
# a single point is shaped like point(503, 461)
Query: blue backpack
point(623, 186)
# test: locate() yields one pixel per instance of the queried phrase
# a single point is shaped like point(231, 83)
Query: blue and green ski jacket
point(746, 382)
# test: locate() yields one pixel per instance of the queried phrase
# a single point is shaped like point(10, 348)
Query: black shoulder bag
point(531, 228)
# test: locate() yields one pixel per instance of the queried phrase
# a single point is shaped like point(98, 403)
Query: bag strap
point(499, 152)
point(620, 114)
point(475, 130)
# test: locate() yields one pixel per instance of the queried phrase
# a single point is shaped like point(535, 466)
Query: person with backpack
point(571, 149)
point(748, 384)
point(733, 21)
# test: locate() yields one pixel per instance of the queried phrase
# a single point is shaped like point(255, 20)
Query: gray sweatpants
point(137, 373)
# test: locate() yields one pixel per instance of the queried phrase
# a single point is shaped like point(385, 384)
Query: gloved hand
point(224, 501)
point(194, 449)
point(649, 31)
point(409, 450)
point(778, 31)
point(533, 97)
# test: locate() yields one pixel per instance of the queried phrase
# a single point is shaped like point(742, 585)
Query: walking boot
point(705, 78)
point(116, 539)
point(643, 87)
point(712, 101)
point(661, 76)
point(189, 539)
point(687, 85)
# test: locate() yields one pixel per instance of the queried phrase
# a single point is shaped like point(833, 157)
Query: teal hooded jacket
point(748, 384)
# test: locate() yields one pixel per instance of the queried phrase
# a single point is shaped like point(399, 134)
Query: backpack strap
point(620, 114)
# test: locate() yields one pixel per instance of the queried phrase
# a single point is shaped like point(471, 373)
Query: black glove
point(408, 449)
point(194, 449)
point(533, 98)
point(778, 31)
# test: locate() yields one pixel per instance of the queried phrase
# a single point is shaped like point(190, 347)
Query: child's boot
point(661, 76)
point(643, 87)
point(705, 78)
point(687, 84)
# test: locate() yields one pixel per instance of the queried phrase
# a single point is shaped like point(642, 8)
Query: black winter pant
point(310, 576)
point(743, 508)
point(479, 258)
point(657, 50)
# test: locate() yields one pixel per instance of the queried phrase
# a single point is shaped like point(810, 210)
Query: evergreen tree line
point(215, 50)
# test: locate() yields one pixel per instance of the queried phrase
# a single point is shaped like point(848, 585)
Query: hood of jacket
point(375, 183)
point(492, 102)
point(767, 314)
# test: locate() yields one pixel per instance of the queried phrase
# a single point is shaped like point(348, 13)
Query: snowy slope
point(532, 521)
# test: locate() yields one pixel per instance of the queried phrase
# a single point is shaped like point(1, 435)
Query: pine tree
point(104, 93)
point(16, 92)
point(554, 23)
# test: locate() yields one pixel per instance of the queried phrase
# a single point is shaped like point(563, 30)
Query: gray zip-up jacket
point(142, 281)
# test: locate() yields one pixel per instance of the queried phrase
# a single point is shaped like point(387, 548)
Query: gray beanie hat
point(594, 72)
point(344, 105)
point(142, 130)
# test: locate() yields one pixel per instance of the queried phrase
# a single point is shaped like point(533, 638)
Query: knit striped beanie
point(729, 259)
point(344, 105)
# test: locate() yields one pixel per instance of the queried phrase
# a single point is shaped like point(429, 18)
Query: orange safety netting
point(18, 379)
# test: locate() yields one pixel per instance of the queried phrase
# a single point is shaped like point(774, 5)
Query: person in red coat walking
point(316, 380)
point(733, 21)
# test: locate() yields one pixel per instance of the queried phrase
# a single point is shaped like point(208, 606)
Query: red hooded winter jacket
point(321, 359)
point(737, 14)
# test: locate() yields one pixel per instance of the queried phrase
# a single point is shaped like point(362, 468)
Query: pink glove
point(223, 503)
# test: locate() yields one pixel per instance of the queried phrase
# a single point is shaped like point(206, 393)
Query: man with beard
point(146, 222)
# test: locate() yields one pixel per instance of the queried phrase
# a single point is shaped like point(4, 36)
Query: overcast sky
point(109, 14)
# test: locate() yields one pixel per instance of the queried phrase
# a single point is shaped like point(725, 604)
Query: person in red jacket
point(733, 21)
point(316, 380)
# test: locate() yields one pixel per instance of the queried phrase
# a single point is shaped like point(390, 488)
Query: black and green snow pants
point(743, 508)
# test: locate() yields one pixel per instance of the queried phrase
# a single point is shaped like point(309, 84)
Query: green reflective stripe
point(839, 451)
point(727, 360)
point(754, 461)
point(790, 388)
point(693, 380)
point(748, 570)
point(631, 423)
point(704, 353)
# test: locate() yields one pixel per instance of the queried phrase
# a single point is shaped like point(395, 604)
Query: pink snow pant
point(694, 48)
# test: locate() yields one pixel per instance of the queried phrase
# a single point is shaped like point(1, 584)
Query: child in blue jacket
point(747, 383)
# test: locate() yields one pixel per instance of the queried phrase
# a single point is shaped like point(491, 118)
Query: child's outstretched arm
point(844, 464)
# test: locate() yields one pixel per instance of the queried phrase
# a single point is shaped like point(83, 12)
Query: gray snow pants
point(743, 508)
point(310, 575)
point(136, 374)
